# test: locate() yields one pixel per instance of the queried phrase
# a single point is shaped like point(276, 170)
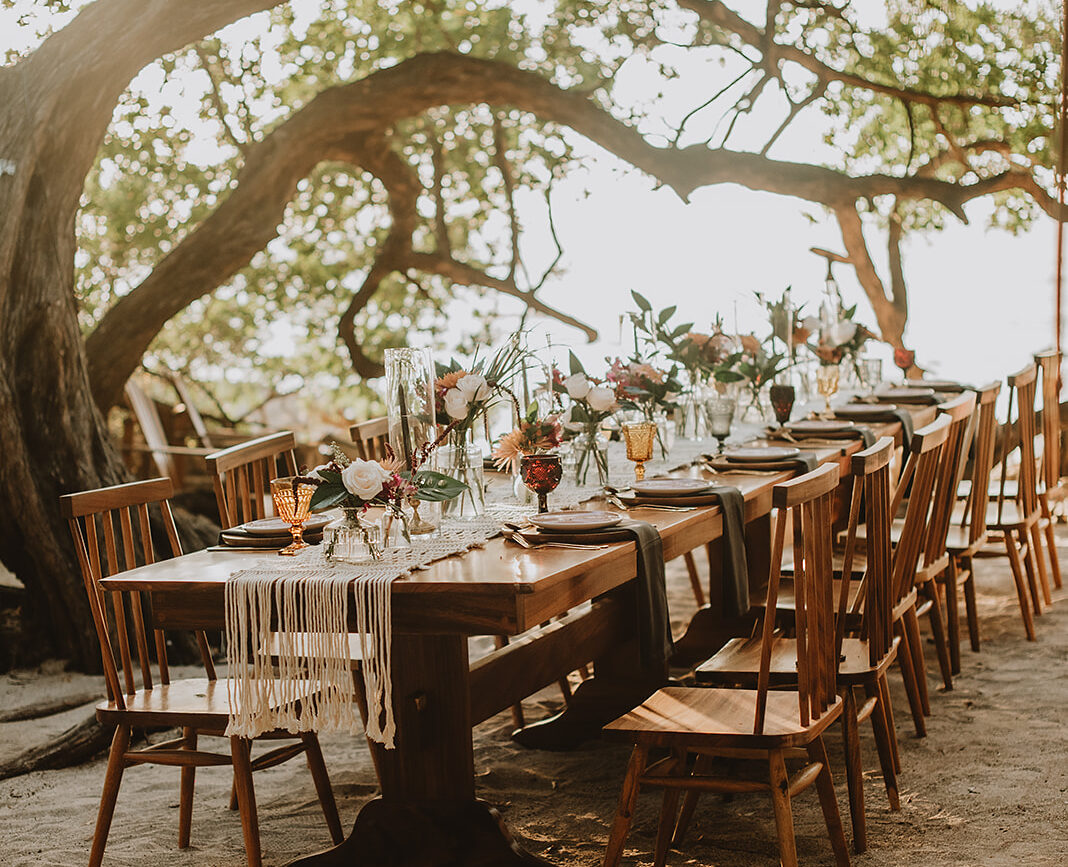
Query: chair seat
point(739, 661)
point(959, 542)
point(682, 716)
point(196, 702)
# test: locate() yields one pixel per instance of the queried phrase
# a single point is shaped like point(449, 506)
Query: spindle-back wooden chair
point(863, 660)
point(112, 533)
point(1013, 515)
point(1050, 471)
point(242, 476)
point(968, 536)
point(371, 438)
point(753, 723)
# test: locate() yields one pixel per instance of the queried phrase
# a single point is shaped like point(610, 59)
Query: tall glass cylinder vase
point(463, 461)
point(590, 459)
point(689, 416)
point(411, 417)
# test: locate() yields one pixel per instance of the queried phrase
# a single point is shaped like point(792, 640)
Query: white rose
point(315, 474)
point(474, 387)
point(456, 404)
point(842, 332)
point(601, 399)
point(577, 386)
point(364, 479)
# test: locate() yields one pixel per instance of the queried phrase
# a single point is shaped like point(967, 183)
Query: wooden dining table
point(428, 812)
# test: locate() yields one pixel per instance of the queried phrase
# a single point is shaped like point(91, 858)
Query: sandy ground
point(988, 786)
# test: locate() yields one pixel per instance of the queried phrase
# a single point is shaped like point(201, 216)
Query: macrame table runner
point(311, 690)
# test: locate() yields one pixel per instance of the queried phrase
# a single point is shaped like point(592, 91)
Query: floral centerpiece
point(355, 485)
point(754, 366)
point(592, 401)
point(838, 339)
point(463, 395)
point(533, 435)
point(647, 389)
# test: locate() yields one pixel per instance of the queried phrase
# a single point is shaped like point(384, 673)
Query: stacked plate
point(675, 492)
point(921, 394)
point(822, 429)
point(865, 411)
point(757, 458)
point(272, 533)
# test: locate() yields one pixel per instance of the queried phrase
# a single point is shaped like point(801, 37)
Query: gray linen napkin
point(654, 623)
point(735, 565)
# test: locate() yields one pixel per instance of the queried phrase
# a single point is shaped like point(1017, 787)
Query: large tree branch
point(358, 112)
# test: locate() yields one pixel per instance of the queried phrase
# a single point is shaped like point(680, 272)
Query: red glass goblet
point(541, 473)
point(904, 358)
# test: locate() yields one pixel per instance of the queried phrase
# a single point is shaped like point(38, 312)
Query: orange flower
point(750, 344)
point(449, 380)
point(508, 451)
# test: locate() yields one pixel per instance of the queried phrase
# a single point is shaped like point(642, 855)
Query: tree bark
point(55, 107)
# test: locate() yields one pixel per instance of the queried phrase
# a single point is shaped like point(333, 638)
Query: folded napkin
point(735, 565)
point(902, 416)
point(857, 432)
point(654, 624)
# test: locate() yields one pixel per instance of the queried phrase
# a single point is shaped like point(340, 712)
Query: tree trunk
point(55, 107)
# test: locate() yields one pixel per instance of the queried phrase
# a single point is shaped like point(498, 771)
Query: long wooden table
point(428, 813)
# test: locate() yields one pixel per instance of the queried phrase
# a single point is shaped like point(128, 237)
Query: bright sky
point(981, 300)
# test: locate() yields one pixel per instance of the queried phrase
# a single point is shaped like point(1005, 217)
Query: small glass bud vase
point(352, 538)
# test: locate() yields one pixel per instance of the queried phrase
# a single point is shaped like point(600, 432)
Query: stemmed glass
point(719, 411)
point(827, 386)
point(541, 473)
point(871, 373)
point(639, 437)
point(904, 359)
point(292, 501)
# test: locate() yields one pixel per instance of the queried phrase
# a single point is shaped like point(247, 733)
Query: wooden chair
point(196, 706)
point(863, 660)
point(969, 536)
point(371, 438)
point(1050, 469)
point(752, 723)
point(242, 476)
point(935, 561)
point(169, 459)
point(907, 534)
point(1014, 521)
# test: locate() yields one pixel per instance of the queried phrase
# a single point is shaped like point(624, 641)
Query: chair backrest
point(974, 514)
point(371, 437)
point(1022, 389)
point(808, 503)
point(147, 415)
point(961, 414)
point(242, 476)
point(872, 486)
point(921, 469)
point(92, 516)
point(1050, 364)
point(195, 418)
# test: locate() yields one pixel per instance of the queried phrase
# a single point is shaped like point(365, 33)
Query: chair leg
point(1016, 565)
point(952, 613)
point(314, 754)
point(908, 676)
point(887, 707)
point(185, 800)
point(854, 771)
point(970, 605)
point(919, 664)
point(817, 752)
point(780, 802)
point(668, 811)
point(1040, 562)
point(702, 765)
point(695, 580)
point(1051, 540)
point(883, 739)
point(938, 631)
point(120, 743)
point(246, 799)
point(628, 798)
point(1027, 550)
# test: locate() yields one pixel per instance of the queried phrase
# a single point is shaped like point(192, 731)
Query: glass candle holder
point(719, 413)
point(541, 473)
point(292, 501)
point(639, 437)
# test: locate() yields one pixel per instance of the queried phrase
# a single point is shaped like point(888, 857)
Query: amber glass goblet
point(541, 473)
point(292, 501)
point(639, 437)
